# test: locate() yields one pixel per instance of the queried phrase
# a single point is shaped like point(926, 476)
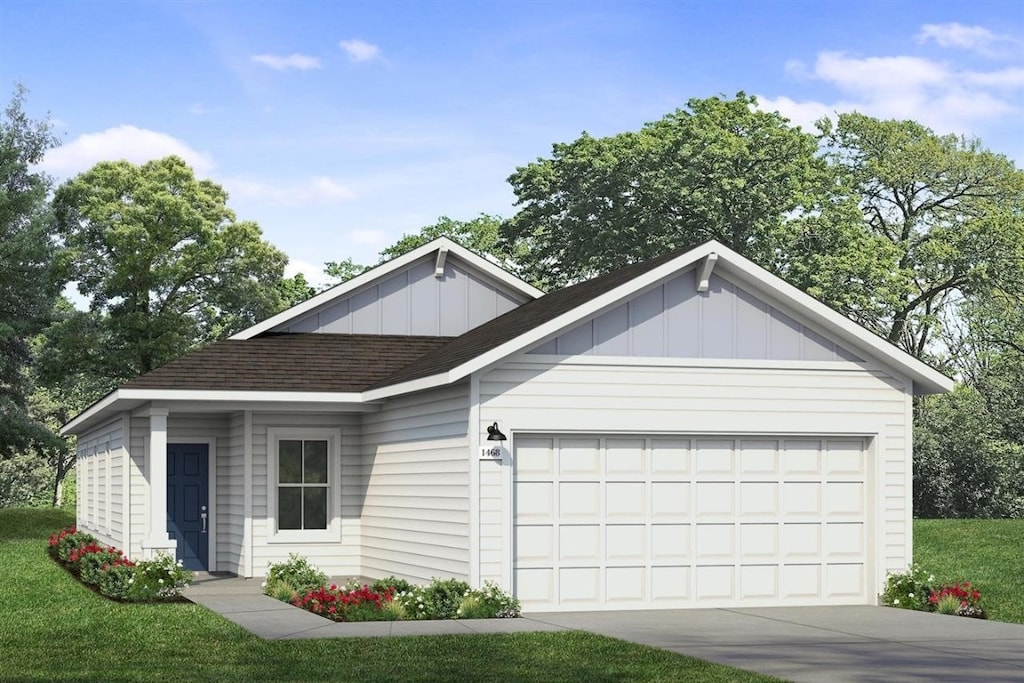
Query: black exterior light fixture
point(494, 434)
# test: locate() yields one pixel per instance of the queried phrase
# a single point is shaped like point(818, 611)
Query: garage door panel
point(579, 501)
point(715, 583)
point(534, 544)
point(535, 502)
point(579, 544)
point(759, 458)
point(670, 456)
point(670, 543)
point(670, 583)
point(670, 500)
point(716, 499)
point(535, 458)
point(630, 521)
point(625, 457)
point(626, 584)
point(759, 542)
point(715, 542)
point(801, 581)
point(759, 581)
point(759, 500)
point(579, 585)
point(626, 543)
point(626, 500)
point(714, 457)
point(579, 457)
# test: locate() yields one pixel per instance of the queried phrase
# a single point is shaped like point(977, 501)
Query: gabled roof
point(536, 321)
point(381, 272)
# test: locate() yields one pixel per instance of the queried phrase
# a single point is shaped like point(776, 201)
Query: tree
point(941, 213)
point(28, 284)
point(165, 266)
point(720, 169)
point(342, 271)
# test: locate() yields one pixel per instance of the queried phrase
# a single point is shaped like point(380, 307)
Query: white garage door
point(619, 522)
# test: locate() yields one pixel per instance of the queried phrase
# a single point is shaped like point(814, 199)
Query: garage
point(667, 521)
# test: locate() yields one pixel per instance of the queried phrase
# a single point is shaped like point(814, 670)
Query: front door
point(188, 503)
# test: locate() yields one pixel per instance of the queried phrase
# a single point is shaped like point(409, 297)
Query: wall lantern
point(494, 434)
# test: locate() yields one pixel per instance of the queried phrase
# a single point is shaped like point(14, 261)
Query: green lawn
point(54, 629)
point(987, 552)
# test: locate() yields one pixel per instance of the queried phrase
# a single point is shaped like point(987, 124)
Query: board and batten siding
point(339, 558)
point(415, 518)
point(99, 472)
point(598, 396)
point(415, 302)
point(674, 320)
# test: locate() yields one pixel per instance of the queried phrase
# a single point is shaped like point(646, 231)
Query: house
point(688, 431)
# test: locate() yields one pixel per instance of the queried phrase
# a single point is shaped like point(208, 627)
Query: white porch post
point(156, 537)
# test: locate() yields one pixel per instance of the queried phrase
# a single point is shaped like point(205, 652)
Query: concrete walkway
point(839, 644)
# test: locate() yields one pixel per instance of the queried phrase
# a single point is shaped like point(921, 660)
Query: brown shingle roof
point(291, 362)
point(522, 319)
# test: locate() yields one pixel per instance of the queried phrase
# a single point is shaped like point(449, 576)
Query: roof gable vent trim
point(442, 256)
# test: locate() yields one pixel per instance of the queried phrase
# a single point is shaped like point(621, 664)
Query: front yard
point(52, 628)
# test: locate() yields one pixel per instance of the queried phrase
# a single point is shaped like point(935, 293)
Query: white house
point(690, 431)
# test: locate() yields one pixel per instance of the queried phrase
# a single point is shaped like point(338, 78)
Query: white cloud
point(369, 238)
point(293, 61)
point(318, 190)
point(137, 145)
point(359, 50)
point(939, 95)
point(313, 273)
point(975, 38)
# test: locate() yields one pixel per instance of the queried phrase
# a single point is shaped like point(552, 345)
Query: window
point(302, 487)
point(303, 498)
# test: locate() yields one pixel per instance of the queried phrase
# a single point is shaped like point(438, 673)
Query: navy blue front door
point(188, 502)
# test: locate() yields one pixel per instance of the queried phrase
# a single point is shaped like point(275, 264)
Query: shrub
point(64, 541)
point(442, 598)
point(347, 603)
point(93, 560)
point(115, 581)
point(959, 598)
point(158, 579)
point(395, 584)
point(295, 576)
point(908, 590)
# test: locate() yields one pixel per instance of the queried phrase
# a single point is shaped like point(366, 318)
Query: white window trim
point(333, 531)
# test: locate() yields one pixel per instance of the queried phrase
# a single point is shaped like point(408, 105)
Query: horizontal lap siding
point(337, 558)
point(231, 497)
point(138, 502)
point(99, 464)
point(416, 513)
point(601, 397)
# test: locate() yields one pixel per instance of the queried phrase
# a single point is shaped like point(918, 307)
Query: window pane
point(289, 462)
point(315, 464)
point(289, 507)
point(314, 513)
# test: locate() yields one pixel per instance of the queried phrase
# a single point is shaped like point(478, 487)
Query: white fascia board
point(382, 271)
point(409, 387)
point(127, 399)
point(926, 378)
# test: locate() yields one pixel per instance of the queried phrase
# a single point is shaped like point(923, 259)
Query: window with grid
point(303, 489)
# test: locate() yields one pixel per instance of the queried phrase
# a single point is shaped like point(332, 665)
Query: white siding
point(416, 512)
point(139, 484)
point(99, 466)
point(230, 498)
point(338, 558)
point(604, 397)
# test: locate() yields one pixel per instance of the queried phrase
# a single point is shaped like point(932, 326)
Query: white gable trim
point(924, 376)
point(443, 245)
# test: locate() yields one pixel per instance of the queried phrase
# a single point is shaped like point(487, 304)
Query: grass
point(54, 629)
point(986, 552)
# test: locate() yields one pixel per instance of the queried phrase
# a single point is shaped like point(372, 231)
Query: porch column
point(156, 538)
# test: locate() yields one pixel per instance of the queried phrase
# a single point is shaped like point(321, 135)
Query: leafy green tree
point(294, 290)
point(342, 271)
point(163, 261)
point(719, 169)
point(939, 214)
point(28, 283)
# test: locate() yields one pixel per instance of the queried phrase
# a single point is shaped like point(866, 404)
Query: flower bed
point(107, 571)
point(304, 586)
point(917, 589)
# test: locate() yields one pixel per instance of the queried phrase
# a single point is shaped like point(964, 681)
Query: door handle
point(202, 516)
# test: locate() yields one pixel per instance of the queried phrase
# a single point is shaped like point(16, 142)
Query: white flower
point(910, 595)
point(896, 601)
point(263, 585)
point(160, 581)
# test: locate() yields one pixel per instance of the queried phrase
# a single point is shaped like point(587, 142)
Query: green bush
point(908, 590)
point(161, 578)
point(66, 540)
point(443, 597)
point(116, 581)
point(91, 565)
point(295, 576)
point(395, 584)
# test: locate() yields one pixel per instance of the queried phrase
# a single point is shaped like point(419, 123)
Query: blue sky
point(339, 126)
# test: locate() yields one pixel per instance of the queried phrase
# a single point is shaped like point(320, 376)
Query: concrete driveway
point(831, 644)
